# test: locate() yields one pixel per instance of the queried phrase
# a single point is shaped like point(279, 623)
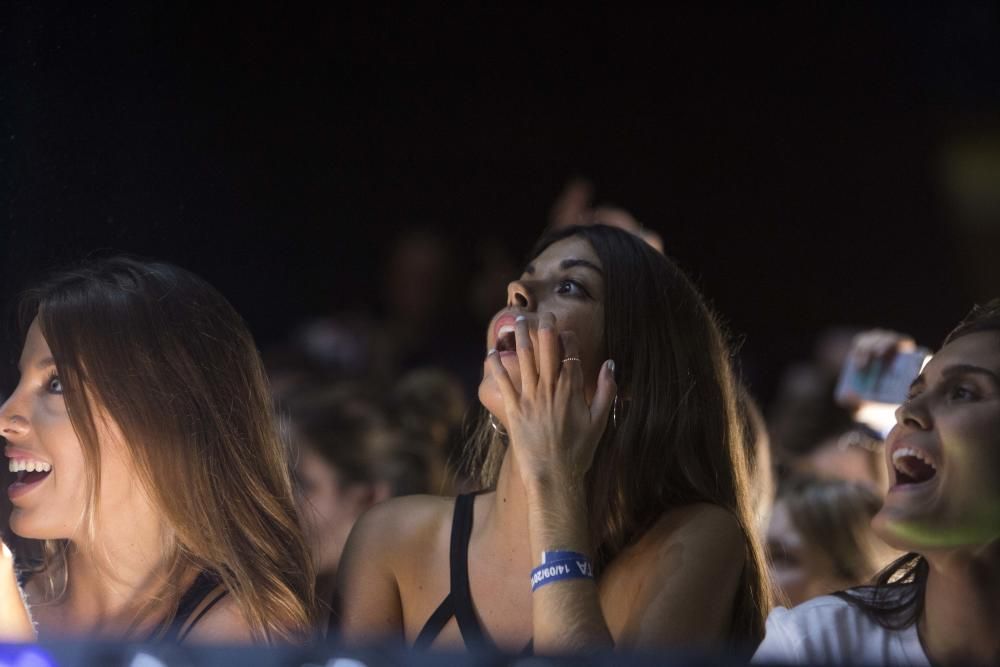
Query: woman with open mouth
point(148, 466)
point(938, 604)
point(615, 510)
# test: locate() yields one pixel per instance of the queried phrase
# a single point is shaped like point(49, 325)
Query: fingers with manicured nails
point(525, 356)
point(549, 358)
point(604, 397)
point(507, 389)
point(572, 366)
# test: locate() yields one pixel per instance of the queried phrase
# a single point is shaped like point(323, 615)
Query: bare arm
point(553, 434)
point(368, 593)
point(686, 594)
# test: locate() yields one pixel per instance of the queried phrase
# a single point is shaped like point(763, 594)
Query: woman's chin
point(23, 526)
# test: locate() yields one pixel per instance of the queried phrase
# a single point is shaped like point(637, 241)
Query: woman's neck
point(111, 578)
point(961, 605)
point(507, 517)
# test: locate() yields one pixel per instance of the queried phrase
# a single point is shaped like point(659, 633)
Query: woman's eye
point(571, 288)
point(961, 393)
point(54, 385)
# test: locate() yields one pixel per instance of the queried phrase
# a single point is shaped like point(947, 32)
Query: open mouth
point(912, 466)
point(28, 472)
point(506, 341)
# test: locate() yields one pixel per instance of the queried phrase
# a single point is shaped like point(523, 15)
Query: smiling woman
point(148, 464)
point(939, 603)
point(615, 509)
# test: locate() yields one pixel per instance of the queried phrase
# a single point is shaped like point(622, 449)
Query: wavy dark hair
point(679, 438)
point(175, 367)
point(895, 598)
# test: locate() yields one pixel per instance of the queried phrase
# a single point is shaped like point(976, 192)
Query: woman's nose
point(12, 424)
point(912, 412)
point(519, 294)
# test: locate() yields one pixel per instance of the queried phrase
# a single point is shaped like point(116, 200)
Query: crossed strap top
point(458, 602)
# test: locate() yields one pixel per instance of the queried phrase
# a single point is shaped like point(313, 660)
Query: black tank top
point(205, 585)
point(458, 602)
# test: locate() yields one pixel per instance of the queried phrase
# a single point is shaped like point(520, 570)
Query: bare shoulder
point(387, 544)
point(223, 623)
point(400, 525)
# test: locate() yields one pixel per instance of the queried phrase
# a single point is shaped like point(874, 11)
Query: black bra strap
point(204, 584)
point(461, 592)
point(435, 624)
point(458, 602)
point(183, 635)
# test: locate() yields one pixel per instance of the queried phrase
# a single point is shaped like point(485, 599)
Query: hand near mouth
point(553, 431)
point(15, 622)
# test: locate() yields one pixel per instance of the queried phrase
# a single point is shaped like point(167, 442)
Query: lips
point(30, 470)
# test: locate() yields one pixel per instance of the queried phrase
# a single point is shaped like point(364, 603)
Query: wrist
point(554, 488)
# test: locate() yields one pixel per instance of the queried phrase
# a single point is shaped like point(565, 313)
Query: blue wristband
point(558, 570)
point(550, 556)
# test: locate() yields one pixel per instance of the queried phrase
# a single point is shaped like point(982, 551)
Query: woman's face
point(566, 280)
point(329, 508)
point(49, 497)
point(943, 455)
point(800, 569)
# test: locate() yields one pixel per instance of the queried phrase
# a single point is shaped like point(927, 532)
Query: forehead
point(979, 349)
point(35, 345)
point(572, 247)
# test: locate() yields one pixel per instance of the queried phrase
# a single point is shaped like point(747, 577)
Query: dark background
point(791, 158)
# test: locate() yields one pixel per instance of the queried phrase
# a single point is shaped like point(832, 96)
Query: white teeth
point(505, 329)
point(28, 465)
point(907, 451)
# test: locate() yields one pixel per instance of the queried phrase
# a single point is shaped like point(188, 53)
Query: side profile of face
point(49, 496)
point(566, 280)
point(943, 455)
point(799, 569)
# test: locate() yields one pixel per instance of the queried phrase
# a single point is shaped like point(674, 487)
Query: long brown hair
point(172, 363)
point(677, 438)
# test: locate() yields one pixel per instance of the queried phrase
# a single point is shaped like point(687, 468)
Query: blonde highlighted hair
point(169, 360)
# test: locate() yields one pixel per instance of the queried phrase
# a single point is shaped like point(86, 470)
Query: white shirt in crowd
point(829, 630)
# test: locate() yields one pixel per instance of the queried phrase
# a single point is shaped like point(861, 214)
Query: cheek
point(59, 441)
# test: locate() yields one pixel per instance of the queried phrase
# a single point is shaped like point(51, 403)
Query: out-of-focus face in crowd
point(820, 538)
point(799, 568)
point(944, 453)
point(329, 507)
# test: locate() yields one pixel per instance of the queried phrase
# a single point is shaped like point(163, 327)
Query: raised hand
point(15, 623)
point(553, 429)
